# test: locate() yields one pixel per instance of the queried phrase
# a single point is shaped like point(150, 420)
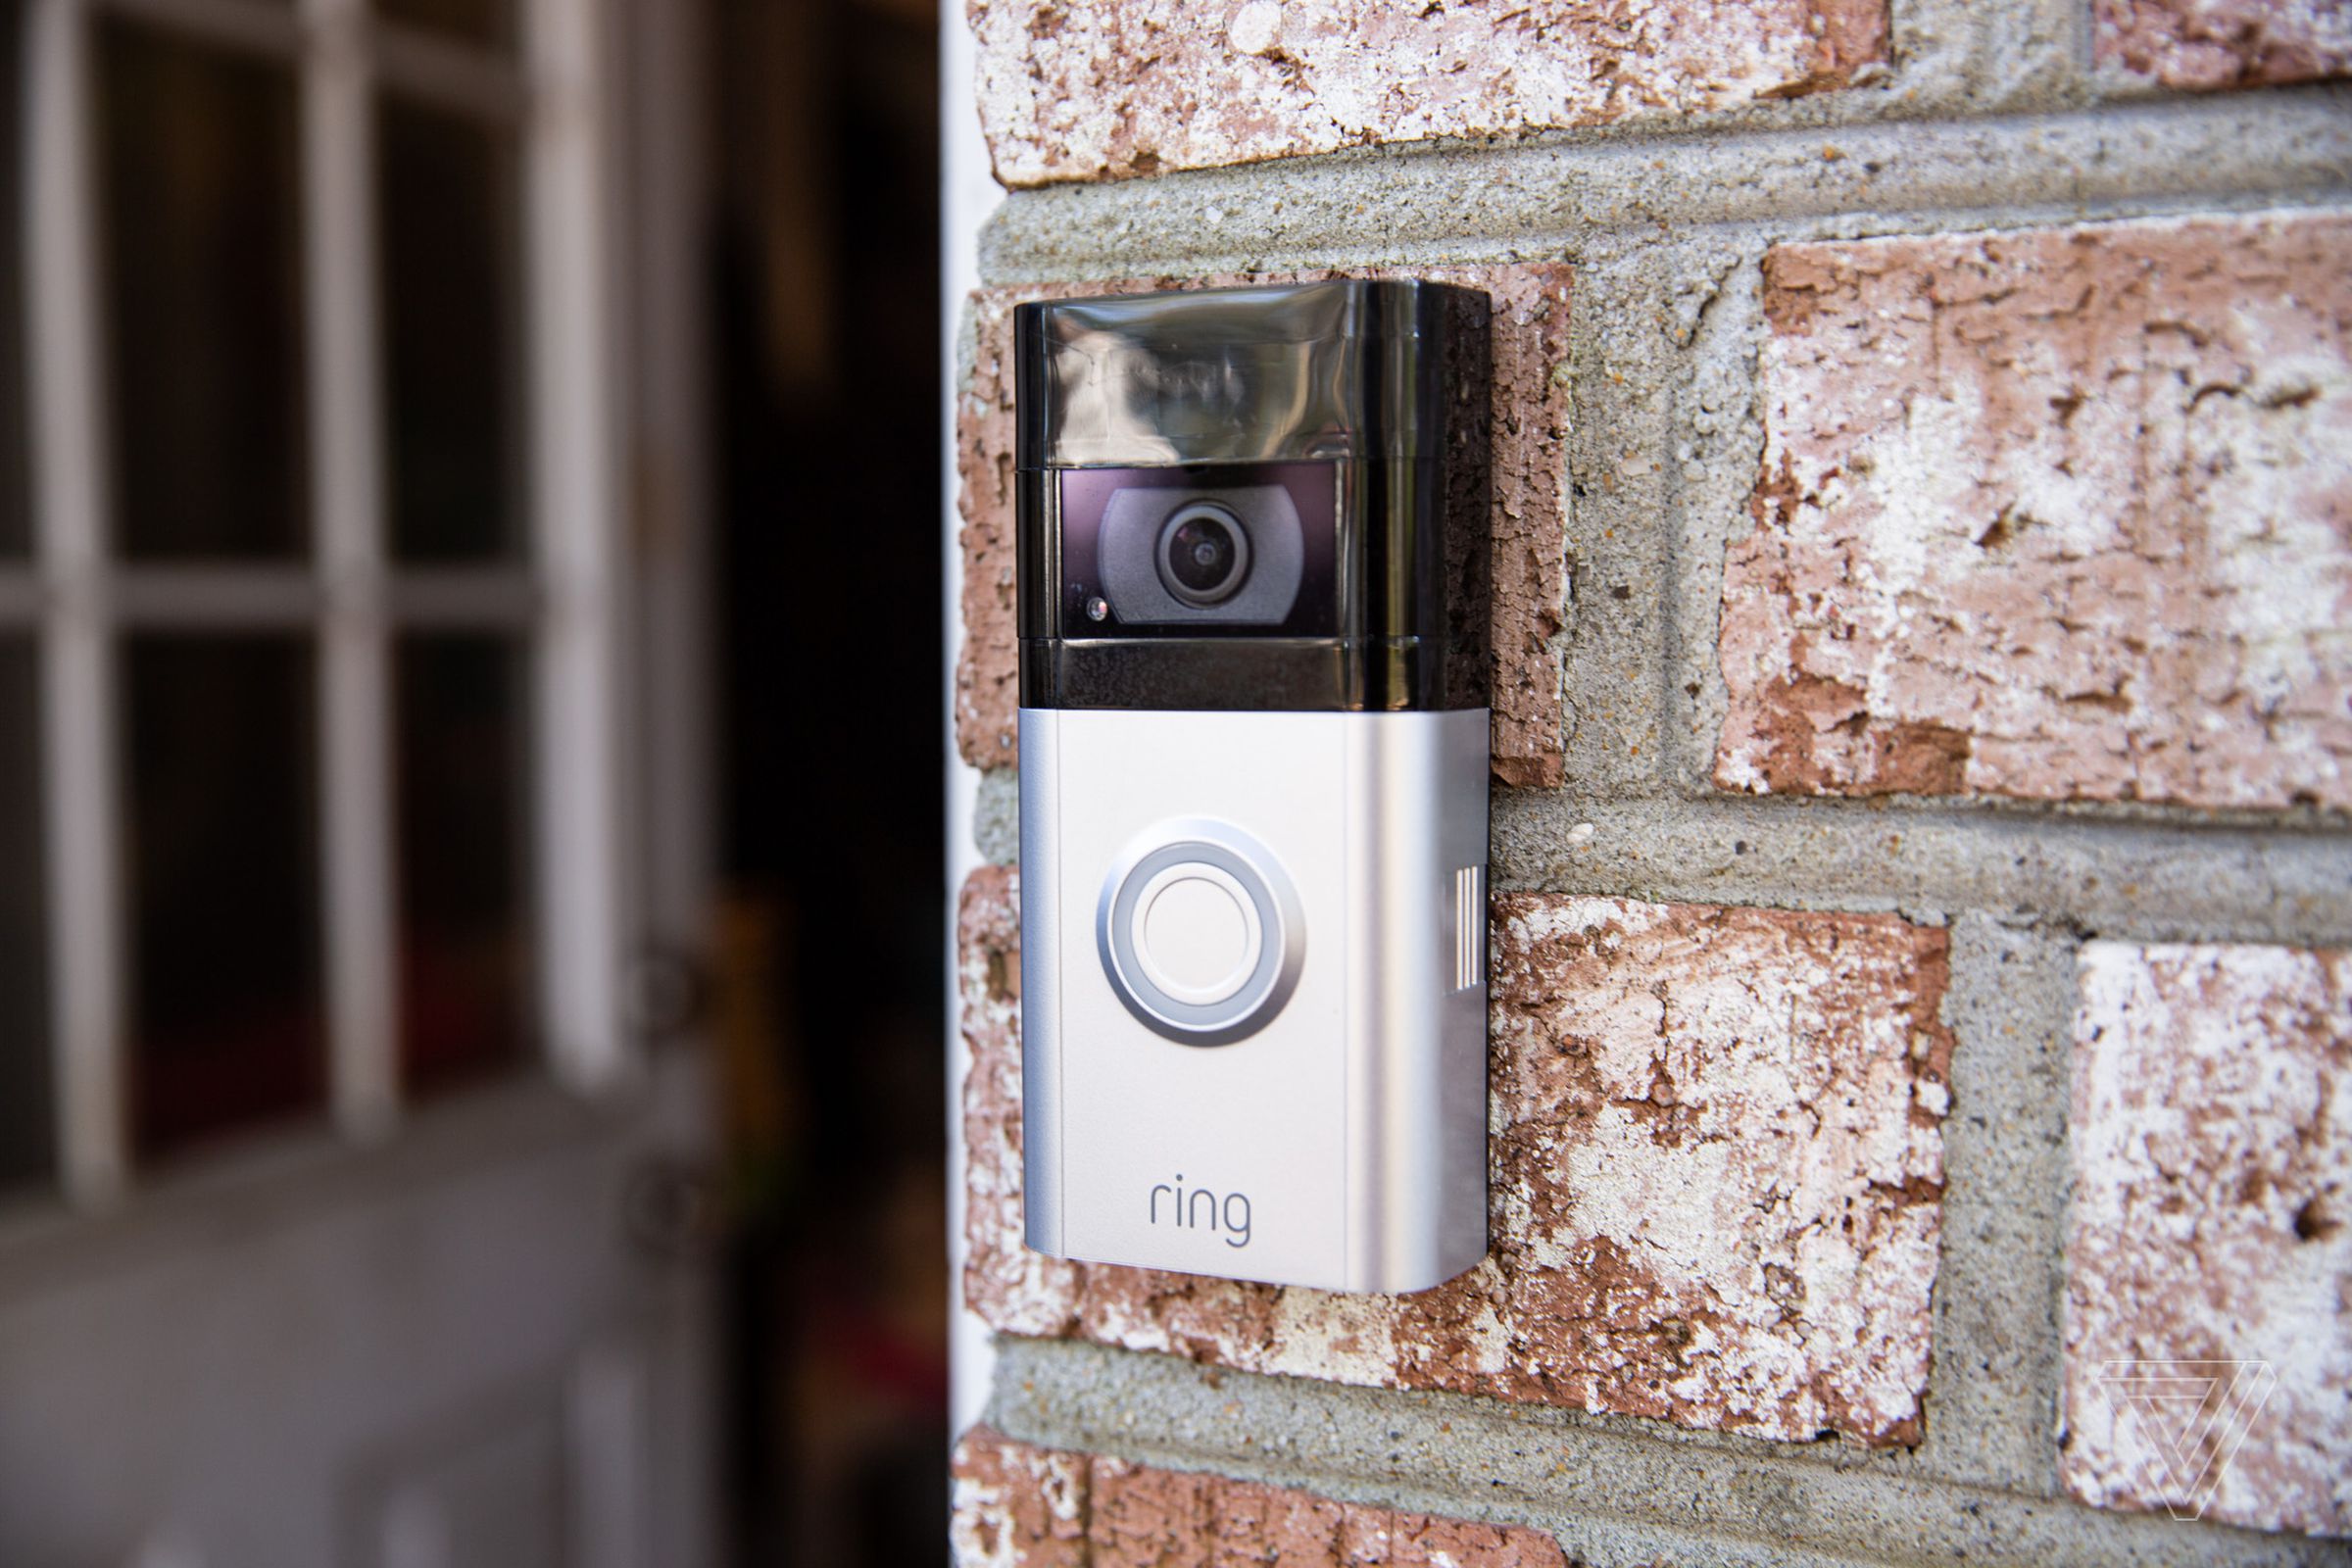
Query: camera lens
point(1204, 552)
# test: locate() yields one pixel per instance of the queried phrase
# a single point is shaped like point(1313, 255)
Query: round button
point(1197, 933)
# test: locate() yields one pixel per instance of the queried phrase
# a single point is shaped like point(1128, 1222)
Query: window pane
point(16, 531)
point(483, 21)
point(465, 774)
point(25, 1114)
point(202, 294)
point(228, 1025)
point(448, 219)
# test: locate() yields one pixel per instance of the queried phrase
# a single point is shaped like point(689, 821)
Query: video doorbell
point(1253, 672)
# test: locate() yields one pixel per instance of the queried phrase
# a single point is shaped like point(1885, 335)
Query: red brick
point(2211, 1233)
point(1529, 521)
point(987, 671)
point(2062, 513)
point(1018, 1506)
point(2208, 44)
point(1087, 90)
point(1716, 1181)
point(1023, 1291)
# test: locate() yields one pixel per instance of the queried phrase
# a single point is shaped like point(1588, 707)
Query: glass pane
point(483, 21)
point(448, 220)
point(16, 531)
point(227, 1017)
point(25, 1114)
point(465, 779)
point(200, 168)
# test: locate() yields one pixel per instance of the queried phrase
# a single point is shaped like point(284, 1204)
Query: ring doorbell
point(1253, 780)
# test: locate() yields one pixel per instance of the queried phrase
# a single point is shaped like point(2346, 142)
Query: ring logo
point(1202, 1210)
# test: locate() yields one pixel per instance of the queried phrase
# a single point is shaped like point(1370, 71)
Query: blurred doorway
point(826, 289)
point(356, 818)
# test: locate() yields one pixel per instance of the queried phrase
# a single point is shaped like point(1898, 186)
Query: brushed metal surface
point(1041, 980)
point(1343, 1143)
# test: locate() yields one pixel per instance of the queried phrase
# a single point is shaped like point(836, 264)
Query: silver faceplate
point(1341, 1145)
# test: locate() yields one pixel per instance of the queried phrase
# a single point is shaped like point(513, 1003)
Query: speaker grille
point(1469, 927)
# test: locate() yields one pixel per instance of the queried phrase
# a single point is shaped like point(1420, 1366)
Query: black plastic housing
point(1367, 396)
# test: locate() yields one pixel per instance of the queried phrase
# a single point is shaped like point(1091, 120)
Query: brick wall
point(1922, 946)
point(1022, 1506)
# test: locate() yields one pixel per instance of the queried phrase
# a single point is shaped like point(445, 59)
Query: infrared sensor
point(1253, 665)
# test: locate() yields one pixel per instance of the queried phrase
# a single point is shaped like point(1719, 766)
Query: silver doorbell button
point(1199, 932)
point(1252, 572)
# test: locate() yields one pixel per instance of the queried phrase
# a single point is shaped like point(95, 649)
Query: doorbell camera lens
point(1203, 554)
point(1195, 560)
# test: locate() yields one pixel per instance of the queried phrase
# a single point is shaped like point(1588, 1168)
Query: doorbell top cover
point(1298, 466)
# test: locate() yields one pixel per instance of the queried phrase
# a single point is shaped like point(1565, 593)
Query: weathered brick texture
point(1084, 89)
point(988, 691)
point(1019, 1506)
point(2061, 513)
point(1529, 425)
point(2210, 1137)
point(2205, 44)
point(1717, 1180)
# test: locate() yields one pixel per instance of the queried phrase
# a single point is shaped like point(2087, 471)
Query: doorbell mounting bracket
point(1253, 666)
